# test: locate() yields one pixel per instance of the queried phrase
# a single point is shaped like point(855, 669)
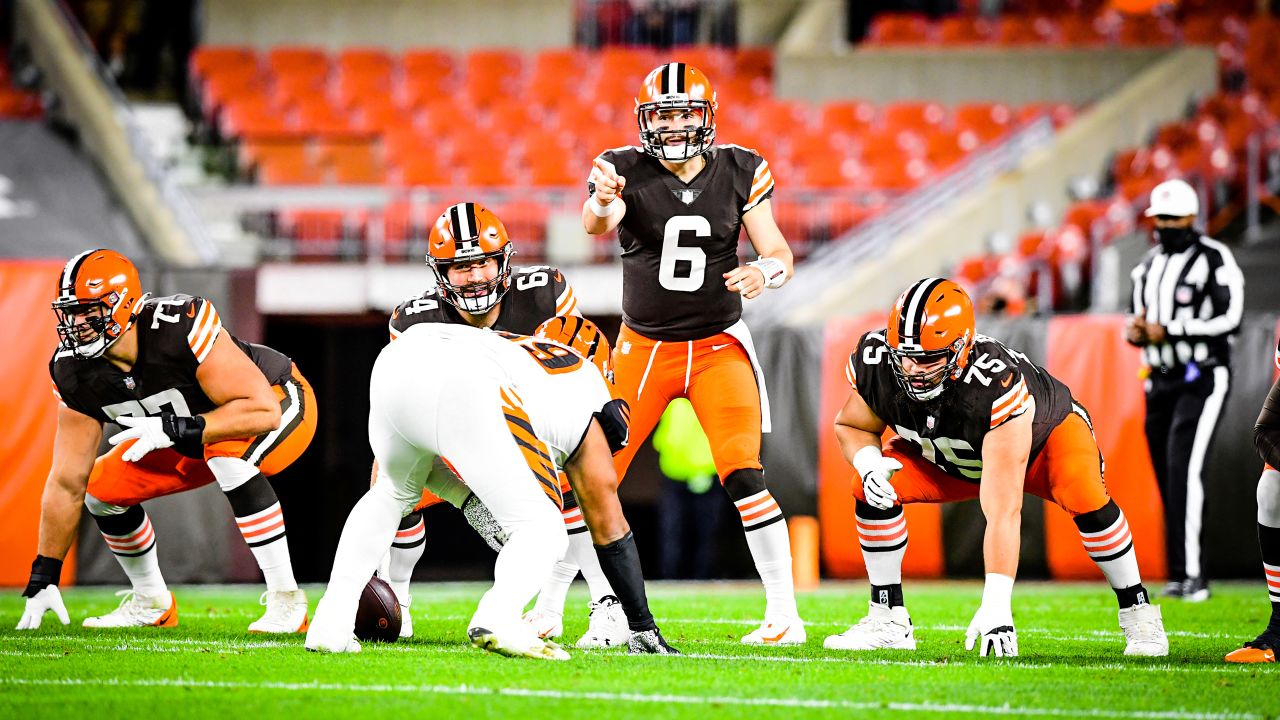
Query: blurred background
point(287, 159)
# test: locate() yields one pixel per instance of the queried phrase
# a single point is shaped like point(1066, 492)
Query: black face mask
point(1175, 240)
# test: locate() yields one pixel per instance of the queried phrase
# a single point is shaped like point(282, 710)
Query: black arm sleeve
point(1266, 433)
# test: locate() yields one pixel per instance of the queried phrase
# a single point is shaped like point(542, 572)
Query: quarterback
point(678, 202)
point(973, 419)
point(469, 252)
point(506, 410)
point(197, 406)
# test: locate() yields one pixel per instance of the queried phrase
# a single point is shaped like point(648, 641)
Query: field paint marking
point(1020, 664)
point(624, 697)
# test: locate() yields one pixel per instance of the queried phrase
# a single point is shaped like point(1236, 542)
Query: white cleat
point(518, 643)
point(1144, 634)
point(607, 626)
point(406, 621)
point(545, 623)
point(777, 631)
point(286, 613)
point(884, 628)
point(138, 610)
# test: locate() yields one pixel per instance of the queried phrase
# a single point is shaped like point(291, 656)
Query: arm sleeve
point(1266, 433)
point(761, 184)
point(566, 303)
point(1226, 293)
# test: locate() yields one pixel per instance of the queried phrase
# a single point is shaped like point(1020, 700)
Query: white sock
point(551, 597)
point(884, 544)
point(523, 565)
point(582, 552)
point(770, 546)
point(365, 537)
point(136, 553)
point(1112, 550)
point(406, 551)
point(265, 534)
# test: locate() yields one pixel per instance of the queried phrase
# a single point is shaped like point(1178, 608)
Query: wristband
point(45, 571)
point(867, 459)
point(998, 591)
point(774, 270)
point(600, 209)
point(186, 432)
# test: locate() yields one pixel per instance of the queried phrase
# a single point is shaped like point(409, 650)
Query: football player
point(678, 203)
point(506, 410)
point(196, 405)
point(973, 419)
point(470, 255)
point(1266, 436)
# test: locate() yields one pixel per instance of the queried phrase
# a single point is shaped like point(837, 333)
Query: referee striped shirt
point(1197, 295)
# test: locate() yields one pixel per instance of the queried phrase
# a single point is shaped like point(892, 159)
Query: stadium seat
point(848, 116)
point(898, 29)
point(491, 74)
point(964, 30)
point(913, 115)
point(1025, 30)
point(352, 162)
point(419, 170)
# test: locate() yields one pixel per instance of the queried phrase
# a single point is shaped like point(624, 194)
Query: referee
point(1188, 296)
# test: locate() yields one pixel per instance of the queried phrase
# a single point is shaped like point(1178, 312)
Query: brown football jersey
point(537, 294)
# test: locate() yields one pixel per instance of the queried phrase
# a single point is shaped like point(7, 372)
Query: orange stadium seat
point(297, 58)
point(1025, 30)
point(964, 30)
point(913, 115)
point(1145, 31)
point(419, 170)
point(317, 118)
point(352, 162)
point(848, 116)
point(289, 169)
point(491, 74)
point(526, 223)
point(898, 29)
point(253, 117)
point(369, 61)
point(1081, 30)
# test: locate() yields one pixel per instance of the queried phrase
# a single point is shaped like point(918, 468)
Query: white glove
point(149, 432)
point(994, 620)
point(42, 602)
point(876, 471)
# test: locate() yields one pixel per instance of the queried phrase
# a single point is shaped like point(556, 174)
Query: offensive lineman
point(197, 406)
point(506, 410)
point(678, 204)
point(469, 252)
point(973, 419)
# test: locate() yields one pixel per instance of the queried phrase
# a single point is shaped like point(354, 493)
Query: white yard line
point(698, 700)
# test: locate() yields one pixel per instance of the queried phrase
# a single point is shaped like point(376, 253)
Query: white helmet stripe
point(913, 307)
point(67, 286)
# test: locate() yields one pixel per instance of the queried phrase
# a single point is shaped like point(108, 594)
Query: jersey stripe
point(761, 184)
point(204, 331)
point(567, 304)
point(1011, 404)
point(850, 374)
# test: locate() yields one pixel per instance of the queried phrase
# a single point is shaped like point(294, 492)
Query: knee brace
point(743, 483)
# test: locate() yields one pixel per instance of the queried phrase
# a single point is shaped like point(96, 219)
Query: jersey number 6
point(673, 252)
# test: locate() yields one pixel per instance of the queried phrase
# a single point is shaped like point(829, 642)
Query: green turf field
point(1071, 663)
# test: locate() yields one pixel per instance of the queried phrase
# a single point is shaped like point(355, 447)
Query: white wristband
point(998, 591)
point(774, 270)
point(867, 459)
point(600, 209)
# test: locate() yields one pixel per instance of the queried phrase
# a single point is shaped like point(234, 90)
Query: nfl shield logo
point(129, 383)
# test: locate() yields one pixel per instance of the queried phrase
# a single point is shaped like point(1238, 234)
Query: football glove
point(993, 623)
point(183, 433)
point(42, 594)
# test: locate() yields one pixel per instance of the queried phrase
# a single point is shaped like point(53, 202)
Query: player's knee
point(1269, 498)
point(743, 483)
point(231, 472)
point(99, 508)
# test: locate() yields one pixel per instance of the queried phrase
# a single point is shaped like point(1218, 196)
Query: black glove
point(186, 432)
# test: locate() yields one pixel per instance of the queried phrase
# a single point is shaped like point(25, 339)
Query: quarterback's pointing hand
point(607, 183)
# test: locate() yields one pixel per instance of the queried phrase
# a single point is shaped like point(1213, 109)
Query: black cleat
point(1173, 589)
point(649, 642)
point(1195, 589)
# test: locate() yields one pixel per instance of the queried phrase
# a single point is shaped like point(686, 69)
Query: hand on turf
point(149, 432)
point(608, 183)
point(876, 485)
point(994, 625)
point(42, 602)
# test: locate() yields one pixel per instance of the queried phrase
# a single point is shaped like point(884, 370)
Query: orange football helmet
point(467, 232)
point(581, 336)
point(99, 295)
point(931, 321)
point(676, 86)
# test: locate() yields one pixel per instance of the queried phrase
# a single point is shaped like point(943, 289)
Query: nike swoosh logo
point(776, 638)
point(1005, 382)
point(720, 347)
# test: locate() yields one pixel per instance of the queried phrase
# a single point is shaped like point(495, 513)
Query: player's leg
point(723, 392)
point(1068, 472)
point(648, 374)
point(402, 557)
point(241, 468)
point(882, 536)
point(1265, 646)
point(114, 499)
point(512, 474)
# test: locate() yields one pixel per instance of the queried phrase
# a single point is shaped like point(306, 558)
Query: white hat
point(1174, 197)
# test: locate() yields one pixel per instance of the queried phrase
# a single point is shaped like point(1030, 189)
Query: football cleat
point(286, 612)
point(342, 643)
point(518, 643)
point(1261, 650)
point(1173, 589)
point(1144, 631)
point(607, 626)
point(777, 631)
point(649, 642)
point(1195, 589)
point(883, 628)
point(138, 610)
point(544, 623)
point(406, 621)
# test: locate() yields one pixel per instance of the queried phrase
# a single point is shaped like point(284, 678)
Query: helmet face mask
point(99, 294)
point(668, 92)
point(931, 325)
point(469, 233)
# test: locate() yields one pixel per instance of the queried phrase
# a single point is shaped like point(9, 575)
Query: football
point(378, 616)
